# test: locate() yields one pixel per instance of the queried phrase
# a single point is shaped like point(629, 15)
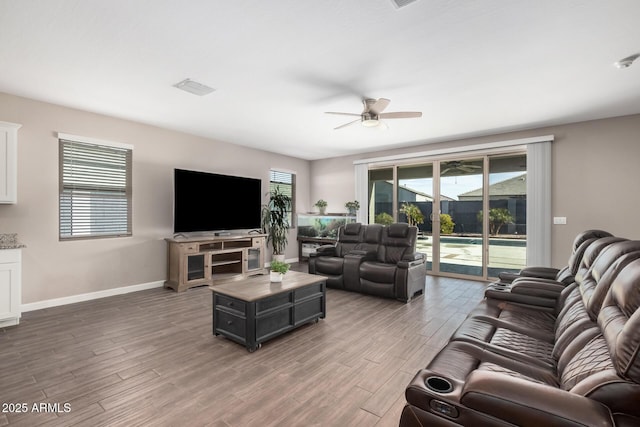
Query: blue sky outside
point(452, 186)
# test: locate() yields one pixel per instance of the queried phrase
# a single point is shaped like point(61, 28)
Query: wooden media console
point(206, 260)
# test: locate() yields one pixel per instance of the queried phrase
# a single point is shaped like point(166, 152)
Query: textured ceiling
point(471, 67)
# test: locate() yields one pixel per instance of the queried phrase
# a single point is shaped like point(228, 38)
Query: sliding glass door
point(507, 222)
point(461, 230)
point(381, 201)
point(415, 203)
point(446, 199)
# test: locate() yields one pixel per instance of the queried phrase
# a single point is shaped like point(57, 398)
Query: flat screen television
point(212, 202)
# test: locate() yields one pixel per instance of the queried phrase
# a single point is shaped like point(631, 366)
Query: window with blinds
point(286, 182)
point(95, 190)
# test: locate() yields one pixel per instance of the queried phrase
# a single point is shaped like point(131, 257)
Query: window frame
point(119, 161)
point(273, 173)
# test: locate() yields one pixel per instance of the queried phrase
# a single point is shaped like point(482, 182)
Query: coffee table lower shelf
point(254, 310)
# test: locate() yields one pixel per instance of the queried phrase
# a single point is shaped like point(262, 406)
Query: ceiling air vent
point(195, 88)
point(402, 3)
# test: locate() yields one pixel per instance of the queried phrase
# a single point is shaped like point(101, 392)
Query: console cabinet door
point(196, 267)
point(255, 255)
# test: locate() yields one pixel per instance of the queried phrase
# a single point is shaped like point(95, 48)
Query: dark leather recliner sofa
point(564, 275)
point(373, 259)
point(575, 364)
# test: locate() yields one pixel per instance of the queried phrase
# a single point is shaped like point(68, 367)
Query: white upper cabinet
point(9, 162)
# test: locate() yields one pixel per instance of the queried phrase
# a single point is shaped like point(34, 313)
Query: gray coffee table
point(253, 310)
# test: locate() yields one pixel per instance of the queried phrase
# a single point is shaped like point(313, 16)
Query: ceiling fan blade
point(342, 114)
point(445, 171)
point(347, 124)
point(378, 106)
point(401, 115)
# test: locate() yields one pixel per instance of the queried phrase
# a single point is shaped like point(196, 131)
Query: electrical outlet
point(559, 220)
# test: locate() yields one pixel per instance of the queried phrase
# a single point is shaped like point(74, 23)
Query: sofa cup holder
point(439, 384)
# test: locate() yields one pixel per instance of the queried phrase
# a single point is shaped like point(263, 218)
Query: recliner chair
point(564, 275)
point(543, 289)
point(375, 260)
point(585, 373)
point(328, 260)
point(397, 271)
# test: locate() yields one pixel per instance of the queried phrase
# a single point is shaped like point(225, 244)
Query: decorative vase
point(274, 276)
point(352, 211)
point(322, 210)
point(278, 257)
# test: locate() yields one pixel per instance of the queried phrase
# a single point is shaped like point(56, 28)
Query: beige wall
point(54, 269)
point(596, 171)
point(595, 174)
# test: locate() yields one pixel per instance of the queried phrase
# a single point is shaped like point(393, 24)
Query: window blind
point(95, 190)
point(282, 180)
point(286, 182)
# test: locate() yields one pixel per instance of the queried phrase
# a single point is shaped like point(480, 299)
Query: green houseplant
point(352, 207)
point(278, 269)
point(321, 205)
point(275, 220)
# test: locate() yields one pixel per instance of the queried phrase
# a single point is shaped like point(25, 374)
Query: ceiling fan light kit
point(369, 120)
point(627, 62)
point(373, 112)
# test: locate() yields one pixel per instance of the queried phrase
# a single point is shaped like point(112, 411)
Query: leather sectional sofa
point(518, 362)
point(373, 259)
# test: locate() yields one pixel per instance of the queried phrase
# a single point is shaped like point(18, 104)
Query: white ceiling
point(472, 67)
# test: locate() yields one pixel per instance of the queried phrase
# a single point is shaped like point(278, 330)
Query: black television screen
point(211, 202)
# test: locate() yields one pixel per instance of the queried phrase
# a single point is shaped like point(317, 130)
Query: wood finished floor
point(149, 358)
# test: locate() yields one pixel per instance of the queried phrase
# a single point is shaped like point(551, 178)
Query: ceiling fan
point(373, 112)
point(457, 165)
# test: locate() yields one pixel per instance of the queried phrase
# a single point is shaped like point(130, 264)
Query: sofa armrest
point(507, 277)
point(363, 255)
point(415, 256)
point(542, 272)
point(537, 288)
point(527, 403)
point(411, 260)
point(529, 291)
point(324, 250)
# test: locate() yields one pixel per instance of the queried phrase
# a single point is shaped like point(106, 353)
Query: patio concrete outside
point(467, 251)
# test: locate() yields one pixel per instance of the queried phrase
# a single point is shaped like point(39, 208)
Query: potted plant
point(321, 205)
point(275, 221)
point(352, 207)
point(278, 270)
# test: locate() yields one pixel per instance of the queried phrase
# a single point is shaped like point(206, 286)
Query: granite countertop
point(10, 241)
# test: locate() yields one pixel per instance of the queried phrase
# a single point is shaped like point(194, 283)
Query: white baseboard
point(10, 322)
point(89, 296)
